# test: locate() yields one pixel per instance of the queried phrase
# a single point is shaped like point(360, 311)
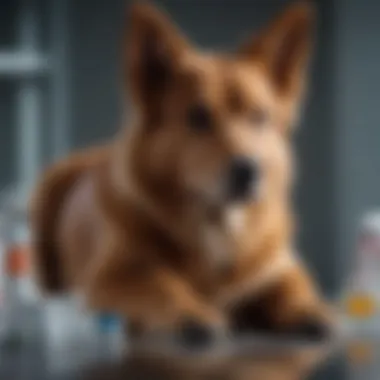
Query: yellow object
point(361, 306)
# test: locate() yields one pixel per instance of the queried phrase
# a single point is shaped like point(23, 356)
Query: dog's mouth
point(243, 194)
point(241, 183)
point(228, 194)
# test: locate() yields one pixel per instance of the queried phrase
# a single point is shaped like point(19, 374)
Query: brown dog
point(184, 222)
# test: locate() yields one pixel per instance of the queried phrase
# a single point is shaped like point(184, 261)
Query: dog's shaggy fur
point(145, 227)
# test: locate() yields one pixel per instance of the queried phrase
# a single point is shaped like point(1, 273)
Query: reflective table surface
point(350, 360)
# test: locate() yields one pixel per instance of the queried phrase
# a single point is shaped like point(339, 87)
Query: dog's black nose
point(243, 178)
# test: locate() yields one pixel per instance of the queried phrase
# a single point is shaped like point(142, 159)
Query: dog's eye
point(199, 118)
point(259, 118)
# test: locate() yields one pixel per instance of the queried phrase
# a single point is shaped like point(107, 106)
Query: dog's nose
point(243, 177)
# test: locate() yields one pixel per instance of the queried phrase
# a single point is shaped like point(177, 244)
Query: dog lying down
point(183, 223)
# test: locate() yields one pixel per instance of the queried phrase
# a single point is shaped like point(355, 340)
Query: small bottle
point(362, 298)
point(3, 319)
point(66, 334)
point(15, 266)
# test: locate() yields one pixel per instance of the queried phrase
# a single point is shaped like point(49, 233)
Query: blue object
point(108, 322)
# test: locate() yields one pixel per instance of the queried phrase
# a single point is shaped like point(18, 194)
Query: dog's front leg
point(154, 298)
point(285, 303)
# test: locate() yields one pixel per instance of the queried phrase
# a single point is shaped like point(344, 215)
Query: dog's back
point(51, 196)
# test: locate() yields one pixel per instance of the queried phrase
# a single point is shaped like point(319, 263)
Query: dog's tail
point(45, 211)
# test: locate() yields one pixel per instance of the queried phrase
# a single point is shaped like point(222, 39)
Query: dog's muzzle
point(243, 177)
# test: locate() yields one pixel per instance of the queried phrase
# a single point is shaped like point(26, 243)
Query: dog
point(183, 223)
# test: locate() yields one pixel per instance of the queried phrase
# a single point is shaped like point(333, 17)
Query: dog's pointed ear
point(154, 46)
point(284, 48)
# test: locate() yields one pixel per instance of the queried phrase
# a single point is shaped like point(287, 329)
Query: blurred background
point(60, 90)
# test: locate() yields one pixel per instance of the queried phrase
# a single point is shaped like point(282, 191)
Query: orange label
point(17, 261)
point(361, 306)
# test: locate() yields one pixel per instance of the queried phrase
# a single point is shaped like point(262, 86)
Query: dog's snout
point(243, 177)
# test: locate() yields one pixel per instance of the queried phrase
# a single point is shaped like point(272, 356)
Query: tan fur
point(141, 226)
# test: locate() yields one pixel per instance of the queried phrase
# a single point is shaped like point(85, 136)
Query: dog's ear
point(284, 49)
point(154, 47)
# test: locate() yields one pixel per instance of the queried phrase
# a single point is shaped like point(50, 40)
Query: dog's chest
point(217, 248)
point(220, 238)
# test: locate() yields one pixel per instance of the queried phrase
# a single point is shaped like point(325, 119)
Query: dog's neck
point(173, 218)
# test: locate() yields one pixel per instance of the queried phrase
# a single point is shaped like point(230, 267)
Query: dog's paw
point(310, 328)
point(193, 334)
